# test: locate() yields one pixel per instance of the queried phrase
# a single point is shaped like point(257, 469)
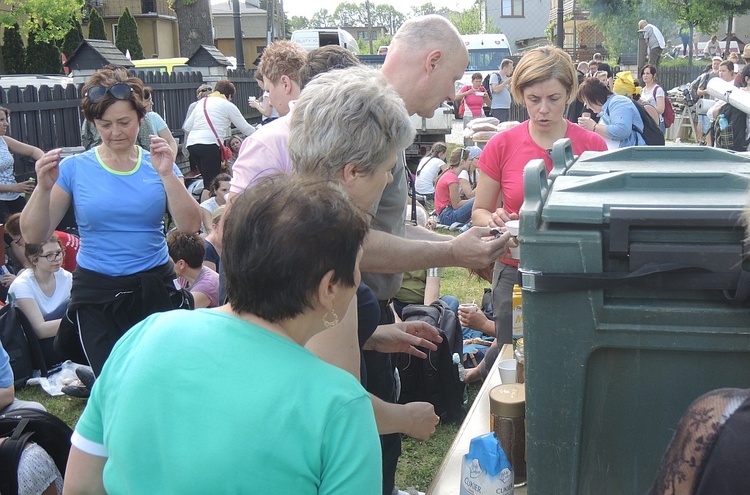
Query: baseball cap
point(474, 152)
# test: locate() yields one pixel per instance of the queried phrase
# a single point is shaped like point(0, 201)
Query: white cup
point(250, 98)
point(508, 373)
point(479, 93)
point(512, 226)
point(468, 307)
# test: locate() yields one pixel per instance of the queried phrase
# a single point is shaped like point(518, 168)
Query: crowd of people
point(298, 248)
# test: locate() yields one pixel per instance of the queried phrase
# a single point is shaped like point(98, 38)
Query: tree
point(427, 9)
point(127, 36)
point(13, 51)
point(321, 19)
point(350, 14)
point(96, 26)
point(194, 21)
point(42, 57)
point(468, 21)
point(72, 39)
point(48, 19)
point(299, 22)
point(386, 15)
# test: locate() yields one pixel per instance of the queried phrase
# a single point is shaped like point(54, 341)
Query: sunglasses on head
point(119, 91)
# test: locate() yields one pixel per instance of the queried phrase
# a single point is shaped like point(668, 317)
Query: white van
point(486, 51)
point(311, 39)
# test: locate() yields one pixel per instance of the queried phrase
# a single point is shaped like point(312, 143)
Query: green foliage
point(298, 22)
point(72, 39)
point(48, 19)
point(127, 36)
point(96, 26)
point(364, 45)
point(468, 21)
point(42, 57)
point(14, 52)
point(427, 9)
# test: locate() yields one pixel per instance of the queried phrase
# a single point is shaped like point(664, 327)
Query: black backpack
point(486, 82)
point(435, 378)
point(651, 132)
point(30, 425)
point(20, 342)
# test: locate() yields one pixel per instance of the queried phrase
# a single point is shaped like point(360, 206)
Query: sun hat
point(624, 84)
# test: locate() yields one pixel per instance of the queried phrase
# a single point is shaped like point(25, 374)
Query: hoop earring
point(333, 321)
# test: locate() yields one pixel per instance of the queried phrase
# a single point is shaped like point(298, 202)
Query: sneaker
point(76, 391)
point(86, 375)
point(702, 143)
point(454, 226)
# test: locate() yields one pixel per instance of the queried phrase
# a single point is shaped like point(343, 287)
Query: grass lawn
point(419, 461)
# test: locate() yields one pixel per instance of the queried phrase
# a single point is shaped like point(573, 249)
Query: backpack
point(668, 110)
point(651, 132)
point(733, 136)
point(486, 82)
point(20, 426)
point(20, 342)
point(435, 378)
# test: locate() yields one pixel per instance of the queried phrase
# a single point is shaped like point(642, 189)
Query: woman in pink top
point(545, 82)
point(448, 203)
point(475, 97)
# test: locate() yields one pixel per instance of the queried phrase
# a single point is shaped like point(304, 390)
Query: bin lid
point(685, 159)
point(591, 199)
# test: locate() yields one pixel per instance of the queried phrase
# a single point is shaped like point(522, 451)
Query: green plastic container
point(610, 370)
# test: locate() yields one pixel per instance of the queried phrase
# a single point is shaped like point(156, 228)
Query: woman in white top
point(218, 191)
point(652, 93)
point(11, 192)
point(202, 142)
point(429, 168)
point(267, 112)
point(467, 179)
point(42, 293)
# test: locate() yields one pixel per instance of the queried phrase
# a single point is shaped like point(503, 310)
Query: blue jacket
point(619, 115)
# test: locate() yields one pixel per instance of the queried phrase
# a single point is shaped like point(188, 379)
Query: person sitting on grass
point(217, 192)
point(291, 257)
point(187, 251)
point(451, 209)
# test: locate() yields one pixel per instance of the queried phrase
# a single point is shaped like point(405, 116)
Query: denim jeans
point(462, 215)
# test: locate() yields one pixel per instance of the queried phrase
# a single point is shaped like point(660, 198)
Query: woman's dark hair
point(33, 251)
point(647, 66)
point(186, 247)
point(744, 75)
point(728, 64)
point(594, 91)
point(215, 183)
point(108, 78)
point(225, 87)
point(281, 237)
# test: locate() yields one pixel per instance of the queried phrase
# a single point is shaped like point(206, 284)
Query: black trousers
point(380, 382)
point(207, 159)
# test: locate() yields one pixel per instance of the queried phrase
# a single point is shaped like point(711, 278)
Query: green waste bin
point(627, 276)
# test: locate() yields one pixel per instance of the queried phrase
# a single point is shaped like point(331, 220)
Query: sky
point(307, 8)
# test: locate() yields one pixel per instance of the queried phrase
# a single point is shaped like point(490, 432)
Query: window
point(148, 6)
point(512, 8)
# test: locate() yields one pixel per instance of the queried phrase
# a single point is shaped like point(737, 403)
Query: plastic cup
point(586, 115)
point(512, 226)
point(508, 371)
point(468, 307)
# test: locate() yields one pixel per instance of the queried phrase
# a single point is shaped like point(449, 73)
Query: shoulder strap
point(424, 164)
point(10, 456)
point(210, 124)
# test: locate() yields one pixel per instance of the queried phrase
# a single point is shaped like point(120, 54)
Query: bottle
point(723, 123)
point(508, 421)
point(461, 376)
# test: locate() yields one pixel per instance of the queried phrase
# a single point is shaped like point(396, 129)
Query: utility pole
point(560, 27)
point(239, 49)
point(369, 25)
point(269, 22)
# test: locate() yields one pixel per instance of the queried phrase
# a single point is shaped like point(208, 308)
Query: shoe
point(702, 143)
point(455, 226)
point(86, 375)
point(76, 391)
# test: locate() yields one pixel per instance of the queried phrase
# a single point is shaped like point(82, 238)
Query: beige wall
point(250, 49)
point(157, 35)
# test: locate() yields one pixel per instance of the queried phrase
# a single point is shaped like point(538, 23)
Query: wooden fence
point(51, 118)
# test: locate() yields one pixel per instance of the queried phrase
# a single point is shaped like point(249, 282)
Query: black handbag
point(20, 342)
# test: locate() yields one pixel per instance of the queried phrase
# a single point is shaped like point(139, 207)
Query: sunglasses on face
point(119, 91)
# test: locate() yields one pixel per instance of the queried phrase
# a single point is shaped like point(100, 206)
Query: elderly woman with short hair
point(119, 193)
point(291, 258)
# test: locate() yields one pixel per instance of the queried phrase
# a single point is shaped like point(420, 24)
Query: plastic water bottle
point(461, 376)
point(723, 123)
